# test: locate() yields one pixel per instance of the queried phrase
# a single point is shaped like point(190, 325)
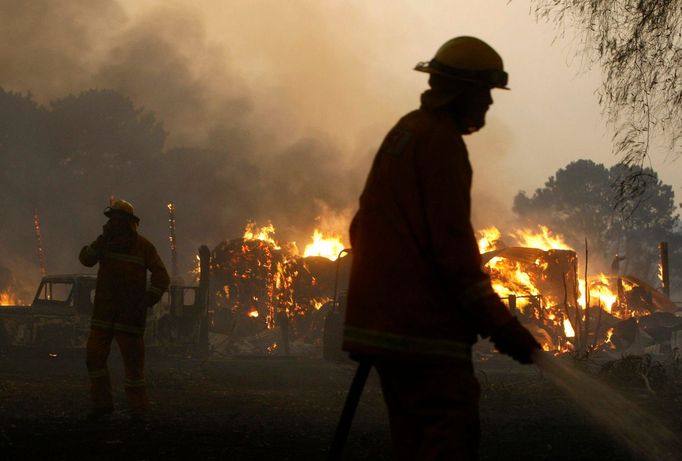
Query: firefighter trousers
point(132, 351)
point(433, 410)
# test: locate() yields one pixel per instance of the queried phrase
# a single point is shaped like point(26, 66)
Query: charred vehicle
point(59, 316)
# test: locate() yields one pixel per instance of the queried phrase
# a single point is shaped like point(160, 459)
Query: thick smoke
point(233, 110)
point(171, 119)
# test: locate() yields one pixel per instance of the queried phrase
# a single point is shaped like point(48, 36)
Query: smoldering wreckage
point(256, 296)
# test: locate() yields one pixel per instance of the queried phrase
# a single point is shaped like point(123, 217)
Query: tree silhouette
point(101, 130)
point(639, 48)
point(578, 202)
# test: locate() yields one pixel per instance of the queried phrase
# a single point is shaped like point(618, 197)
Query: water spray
point(640, 431)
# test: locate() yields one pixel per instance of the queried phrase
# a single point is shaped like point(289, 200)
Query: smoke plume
point(235, 111)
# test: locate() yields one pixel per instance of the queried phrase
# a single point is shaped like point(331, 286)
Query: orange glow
point(318, 303)
point(8, 298)
point(527, 265)
point(328, 246)
point(264, 234)
point(490, 237)
point(544, 240)
point(253, 313)
point(601, 293)
point(271, 349)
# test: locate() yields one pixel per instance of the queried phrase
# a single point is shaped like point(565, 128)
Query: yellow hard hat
point(121, 207)
point(468, 59)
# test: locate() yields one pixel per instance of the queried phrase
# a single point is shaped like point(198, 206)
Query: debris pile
point(266, 297)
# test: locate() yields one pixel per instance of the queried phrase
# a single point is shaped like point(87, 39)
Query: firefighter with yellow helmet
point(122, 297)
point(418, 297)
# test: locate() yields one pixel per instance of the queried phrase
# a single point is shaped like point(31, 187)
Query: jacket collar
point(433, 100)
point(437, 101)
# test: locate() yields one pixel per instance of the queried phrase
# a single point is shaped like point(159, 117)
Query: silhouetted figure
point(417, 296)
point(122, 298)
point(615, 264)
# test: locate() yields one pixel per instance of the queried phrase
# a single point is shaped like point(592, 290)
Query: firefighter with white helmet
point(122, 298)
point(417, 296)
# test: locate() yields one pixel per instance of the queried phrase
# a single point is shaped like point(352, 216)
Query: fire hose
point(642, 432)
point(352, 400)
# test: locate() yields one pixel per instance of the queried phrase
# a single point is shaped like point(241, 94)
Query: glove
point(98, 246)
point(515, 340)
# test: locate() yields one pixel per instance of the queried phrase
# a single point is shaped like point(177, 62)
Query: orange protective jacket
point(416, 285)
point(122, 285)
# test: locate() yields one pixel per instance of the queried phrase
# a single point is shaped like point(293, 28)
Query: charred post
point(172, 239)
point(664, 268)
point(39, 242)
point(204, 267)
point(512, 304)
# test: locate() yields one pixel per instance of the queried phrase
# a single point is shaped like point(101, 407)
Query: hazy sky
point(343, 68)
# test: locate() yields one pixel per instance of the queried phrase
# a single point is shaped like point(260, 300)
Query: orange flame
point(264, 234)
point(545, 240)
point(600, 292)
point(526, 280)
point(490, 237)
point(8, 298)
point(327, 246)
point(318, 303)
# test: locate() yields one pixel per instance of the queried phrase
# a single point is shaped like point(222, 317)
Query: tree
point(65, 160)
point(639, 48)
point(577, 200)
point(102, 130)
point(24, 139)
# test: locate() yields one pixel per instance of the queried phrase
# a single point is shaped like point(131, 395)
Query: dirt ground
point(277, 409)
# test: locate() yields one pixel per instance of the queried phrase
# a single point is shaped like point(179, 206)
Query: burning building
point(540, 280)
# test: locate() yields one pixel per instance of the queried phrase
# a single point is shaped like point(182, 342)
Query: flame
point(490, 237)
point(8, 298)
point(536, 293)
point(600, 291)
point(196, 270)
point(512, 277)
point(545, 240)
point(253, 313)
point(264, 234)
point(318, 303)
point(327, 246)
